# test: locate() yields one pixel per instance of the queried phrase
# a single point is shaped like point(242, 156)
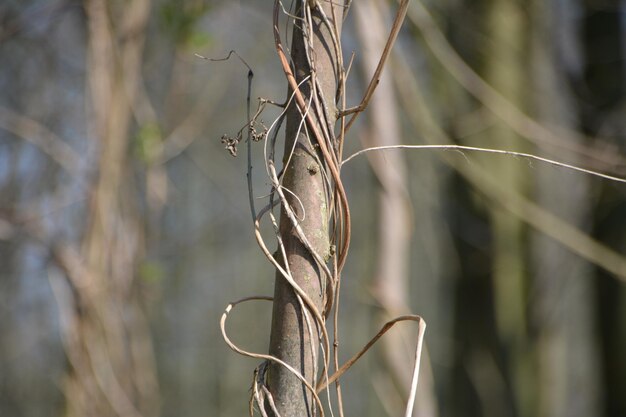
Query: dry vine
point(321, 135)
point(317, 124)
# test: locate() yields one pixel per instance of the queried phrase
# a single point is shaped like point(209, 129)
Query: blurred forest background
point(125, 229)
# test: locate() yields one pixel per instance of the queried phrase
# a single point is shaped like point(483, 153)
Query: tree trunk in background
point(106, 336)
point(289, 340)
point(562, 313)
point(504, 69)
point(391, 279)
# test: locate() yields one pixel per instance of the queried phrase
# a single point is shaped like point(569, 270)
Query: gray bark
point(289, 340)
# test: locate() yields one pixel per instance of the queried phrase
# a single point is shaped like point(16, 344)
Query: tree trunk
point(290, 340)
point(563, 310)
point(106, 335)
point(391, 279)
point(505, 71)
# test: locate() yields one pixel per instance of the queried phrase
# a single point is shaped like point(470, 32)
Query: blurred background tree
point(124, 225)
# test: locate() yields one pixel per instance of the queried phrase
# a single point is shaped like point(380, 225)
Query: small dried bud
point(230, 144)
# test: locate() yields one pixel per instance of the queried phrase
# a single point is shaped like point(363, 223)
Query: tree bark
point(290, 339)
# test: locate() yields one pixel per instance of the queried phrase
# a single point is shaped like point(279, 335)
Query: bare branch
point(43, 138)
